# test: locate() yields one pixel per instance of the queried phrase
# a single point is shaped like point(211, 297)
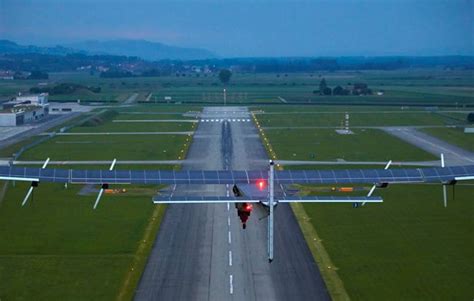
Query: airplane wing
point(346, 176)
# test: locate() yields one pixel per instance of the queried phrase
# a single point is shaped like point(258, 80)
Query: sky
point(252, 28)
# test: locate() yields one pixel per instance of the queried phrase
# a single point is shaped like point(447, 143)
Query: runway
point(202, 253)
point(116, 133)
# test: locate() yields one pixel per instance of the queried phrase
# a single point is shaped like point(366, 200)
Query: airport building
point(24, 109)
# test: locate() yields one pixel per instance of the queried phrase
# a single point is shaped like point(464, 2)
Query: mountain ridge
point(144, 49)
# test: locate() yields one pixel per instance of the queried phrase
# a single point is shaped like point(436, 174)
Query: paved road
point(353, 127)
point(53, 120)
point(361, 112)
point(153, 120)
point(453, 155)
point(257, 162)
point(116, 133)
point(96, 162)
point(131, 99)
point(201, 252)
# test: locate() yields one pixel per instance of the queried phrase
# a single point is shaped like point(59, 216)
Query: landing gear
point(244, 226)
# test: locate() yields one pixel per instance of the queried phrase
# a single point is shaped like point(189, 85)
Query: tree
point(224, 75)
point(38, 75)
point(327, 91)
point(470, 117)
point(338, 90)
point(322, 85)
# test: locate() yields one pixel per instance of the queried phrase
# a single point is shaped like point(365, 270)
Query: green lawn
point(121, 147)
point(58, 248)
point(403, 87)
point(326, 144)
point(136, 127)
point(408, 248)
point(455, 136)
point(396, 118)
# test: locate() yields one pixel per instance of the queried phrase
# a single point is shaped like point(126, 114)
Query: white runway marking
point(231, 285)
point(222, 120)
point(230, 258)
point(228, 221)
point(230, 238)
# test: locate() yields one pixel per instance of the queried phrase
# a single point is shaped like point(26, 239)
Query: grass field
point(430, 87)
point(326, 144)
point(137, 127)
point(408, 248)
point(57, 247)
point(455, 136)
point(398, 118)
point(121, 147)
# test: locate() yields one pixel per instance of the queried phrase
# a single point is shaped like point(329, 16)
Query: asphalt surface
point(453, 155)
point(116, 133)
point(130, 100)
point(353, 127)
point(202, 253)
point(38, 128)
point(91, 162)
point(153, 120)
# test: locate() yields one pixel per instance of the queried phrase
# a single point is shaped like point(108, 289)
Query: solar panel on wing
point(230, 177)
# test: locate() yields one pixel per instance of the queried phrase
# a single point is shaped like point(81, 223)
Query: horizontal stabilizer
point(332, 199)
point(202, 200)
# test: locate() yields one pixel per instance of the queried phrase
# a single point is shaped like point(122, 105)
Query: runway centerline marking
point(230, 237)
point(230, 258)
point(231, 285)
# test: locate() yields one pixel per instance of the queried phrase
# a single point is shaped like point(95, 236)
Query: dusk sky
point(252, 27)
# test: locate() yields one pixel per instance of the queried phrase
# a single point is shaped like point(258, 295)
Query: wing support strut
point(33, 185)
point(104, 186)
point(271, 202)
point(375, 185)
point(445, 188)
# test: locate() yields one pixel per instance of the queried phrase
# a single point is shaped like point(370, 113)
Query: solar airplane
point(250, 186)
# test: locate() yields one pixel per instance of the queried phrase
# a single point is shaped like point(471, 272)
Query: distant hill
point(139, 48)
point(143, 49)
point(9, 47)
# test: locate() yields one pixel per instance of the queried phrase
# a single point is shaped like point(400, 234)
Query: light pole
point(225, 98)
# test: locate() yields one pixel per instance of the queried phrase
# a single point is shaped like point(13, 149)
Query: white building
point(35, 99)
point(24, 109)
point(22, 115)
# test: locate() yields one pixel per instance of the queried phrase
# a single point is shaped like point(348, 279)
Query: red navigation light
point(261, 184)
point(248, 207)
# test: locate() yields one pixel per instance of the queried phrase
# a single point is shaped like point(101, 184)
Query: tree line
point(355, 89)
